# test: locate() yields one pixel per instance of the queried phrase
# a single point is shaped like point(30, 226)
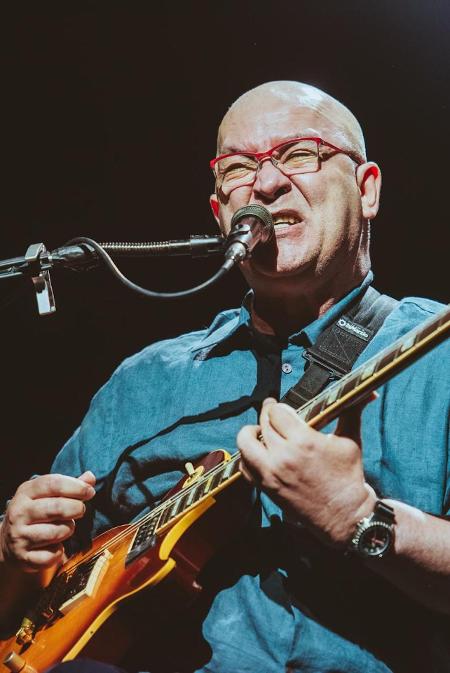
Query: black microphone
point(250, 226)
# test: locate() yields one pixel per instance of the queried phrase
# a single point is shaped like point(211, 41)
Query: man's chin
point(275, 267)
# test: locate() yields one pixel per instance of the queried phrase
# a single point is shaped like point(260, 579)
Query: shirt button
point(286, 367)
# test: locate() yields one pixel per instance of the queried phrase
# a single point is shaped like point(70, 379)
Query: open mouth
point(283, 222)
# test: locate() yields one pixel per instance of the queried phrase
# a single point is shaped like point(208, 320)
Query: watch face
point(376, 539)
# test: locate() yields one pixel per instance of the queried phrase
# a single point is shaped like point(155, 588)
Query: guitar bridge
point(84, 582)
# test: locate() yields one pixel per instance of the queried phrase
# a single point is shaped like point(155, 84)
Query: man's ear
point(368, 177)
point(214, 203)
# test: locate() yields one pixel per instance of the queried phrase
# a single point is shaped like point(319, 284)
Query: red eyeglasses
point(292, 157)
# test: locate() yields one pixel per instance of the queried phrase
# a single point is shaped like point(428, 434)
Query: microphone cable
point(250, 226)
point(142, 290)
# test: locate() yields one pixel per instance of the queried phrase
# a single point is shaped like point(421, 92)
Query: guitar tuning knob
point(190, 469)
point(17, 664)
point(193, 473)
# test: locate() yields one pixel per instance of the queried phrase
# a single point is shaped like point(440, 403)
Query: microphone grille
point(257, 211)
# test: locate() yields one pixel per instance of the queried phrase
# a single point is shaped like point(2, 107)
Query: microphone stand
point(37, 261)
point(250, 225)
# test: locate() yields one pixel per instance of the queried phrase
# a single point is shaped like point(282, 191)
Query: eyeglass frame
point(268, 155)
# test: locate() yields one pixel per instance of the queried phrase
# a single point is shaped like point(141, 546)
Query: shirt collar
point(314, 329)
point(229, 323)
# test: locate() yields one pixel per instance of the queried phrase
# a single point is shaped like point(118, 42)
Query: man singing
point(292, 593)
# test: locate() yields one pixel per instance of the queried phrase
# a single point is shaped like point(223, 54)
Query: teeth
point(284, 220)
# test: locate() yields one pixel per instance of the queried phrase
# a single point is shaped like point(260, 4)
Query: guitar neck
point(358, 384)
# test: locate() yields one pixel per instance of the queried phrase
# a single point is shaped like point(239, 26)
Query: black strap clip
point(313, 358)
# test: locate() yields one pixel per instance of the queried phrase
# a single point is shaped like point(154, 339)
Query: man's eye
point(236, 170)
point(299, 154)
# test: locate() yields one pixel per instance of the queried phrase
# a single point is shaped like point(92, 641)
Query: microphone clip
point(40, 277)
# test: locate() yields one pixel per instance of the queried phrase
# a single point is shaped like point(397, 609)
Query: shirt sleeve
point(89, 448)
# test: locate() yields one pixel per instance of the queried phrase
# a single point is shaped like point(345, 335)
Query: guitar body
point(180, 552)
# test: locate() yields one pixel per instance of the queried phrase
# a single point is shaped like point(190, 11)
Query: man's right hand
point(40, 516)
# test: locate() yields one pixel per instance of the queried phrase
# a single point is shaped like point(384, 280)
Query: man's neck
point(283, 313)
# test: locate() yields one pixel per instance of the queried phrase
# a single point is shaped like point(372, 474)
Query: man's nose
point(270, 182)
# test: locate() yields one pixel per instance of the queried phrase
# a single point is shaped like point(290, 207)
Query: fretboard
point(325, 407)
point(359, 383)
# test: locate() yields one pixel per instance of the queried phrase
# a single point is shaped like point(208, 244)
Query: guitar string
point(209, 475)
point(178, 496)
point(392, 351)
point(166, 504)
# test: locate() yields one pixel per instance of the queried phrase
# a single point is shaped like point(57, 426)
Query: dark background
point(109, 113)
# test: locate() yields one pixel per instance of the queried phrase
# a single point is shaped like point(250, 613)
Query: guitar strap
point(339, 345)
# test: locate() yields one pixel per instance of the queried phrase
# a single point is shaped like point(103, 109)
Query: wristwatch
point(374, 535)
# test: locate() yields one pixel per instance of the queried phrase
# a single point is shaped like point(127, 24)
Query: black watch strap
point(384, 512)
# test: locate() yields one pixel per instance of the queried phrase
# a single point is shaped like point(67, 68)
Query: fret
point(348, 385)
point(332, 394)
point(158, 519)
point(313, 411)
point(203, 487)
point(189, 497)
point(207, 485)
point(385, 360)
point(166, 514)
point(368, 369)
point(228, 470)
point(215, 480)
point(175, 509)
point(429, 329)
point(182, 502)
point(303, 411)
point(324, 397)
point(442, 318)
point(407, 344)
point(199, 491)
point(235, 461)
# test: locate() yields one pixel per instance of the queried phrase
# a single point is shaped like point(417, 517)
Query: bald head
point(337, 121)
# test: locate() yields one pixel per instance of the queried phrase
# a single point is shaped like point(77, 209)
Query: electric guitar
point(177, 537)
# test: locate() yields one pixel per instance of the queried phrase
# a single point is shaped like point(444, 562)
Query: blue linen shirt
point(296, 606)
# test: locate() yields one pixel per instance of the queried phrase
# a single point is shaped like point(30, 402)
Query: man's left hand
point(317, 479)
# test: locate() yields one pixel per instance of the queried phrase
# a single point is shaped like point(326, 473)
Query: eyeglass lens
point(290, 158)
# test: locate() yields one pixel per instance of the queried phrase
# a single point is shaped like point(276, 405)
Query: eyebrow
point(306, 133)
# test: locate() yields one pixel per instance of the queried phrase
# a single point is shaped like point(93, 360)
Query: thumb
point(88, 477)
point(349, 423)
